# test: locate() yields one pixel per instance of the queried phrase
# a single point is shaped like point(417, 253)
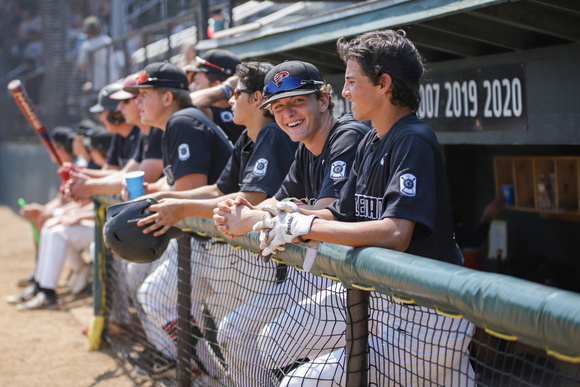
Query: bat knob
point(14, 84)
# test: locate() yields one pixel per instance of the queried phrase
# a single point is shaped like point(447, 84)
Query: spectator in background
point(94, 54)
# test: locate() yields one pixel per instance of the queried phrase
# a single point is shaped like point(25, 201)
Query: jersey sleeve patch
point(408, 184)
point(338, 170)
point(183, 151)
point(261, 167)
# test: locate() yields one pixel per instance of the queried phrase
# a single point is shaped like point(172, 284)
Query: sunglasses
point(289, 83)
point(238, 92)
point(202, 62)
point(144, 77)
point(126, 101)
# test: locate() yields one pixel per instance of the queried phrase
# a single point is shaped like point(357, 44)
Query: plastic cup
point(508, 194)
point(135, 184)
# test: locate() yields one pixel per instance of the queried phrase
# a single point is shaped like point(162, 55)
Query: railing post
point(184, 331)
point(357, 332)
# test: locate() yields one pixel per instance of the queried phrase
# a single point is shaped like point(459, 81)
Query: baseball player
point(397, 198)
point(260, 160)
point(146, 156)
point(194, 152)
point(302, 105)
point(209, 70)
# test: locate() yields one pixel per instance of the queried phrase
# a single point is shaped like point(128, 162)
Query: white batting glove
point(289, 205)
point(265, 227)
point(287, 227)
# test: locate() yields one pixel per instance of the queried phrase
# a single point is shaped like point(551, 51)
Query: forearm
point(394, 234)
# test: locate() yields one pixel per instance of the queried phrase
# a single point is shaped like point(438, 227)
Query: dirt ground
point(46, 347)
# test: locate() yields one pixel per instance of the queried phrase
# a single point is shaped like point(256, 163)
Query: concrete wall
point(26, 171)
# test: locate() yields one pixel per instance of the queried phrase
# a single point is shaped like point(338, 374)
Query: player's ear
point(257, 98)
point(323, 101)
point(385, 82)
point(167, 99)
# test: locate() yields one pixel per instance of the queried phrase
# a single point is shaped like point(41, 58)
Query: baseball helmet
point(126, 240)
point(104, 101)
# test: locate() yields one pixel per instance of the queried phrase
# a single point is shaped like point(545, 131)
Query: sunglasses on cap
point(202, 62)
point(144, 77)
point(289, 83)
point(238, 92)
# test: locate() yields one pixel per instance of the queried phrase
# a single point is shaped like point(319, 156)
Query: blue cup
point(135, 186)
point(508, 194)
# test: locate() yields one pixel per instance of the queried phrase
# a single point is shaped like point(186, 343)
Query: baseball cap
point(160, 74)
point(129, 81)
point(215, 61)
point(63, 135)
point(104, 101)
point(291, 78)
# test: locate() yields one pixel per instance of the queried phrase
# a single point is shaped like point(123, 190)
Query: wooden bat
point(25, 104)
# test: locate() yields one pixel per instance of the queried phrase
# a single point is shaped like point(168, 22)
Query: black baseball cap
point(291, 78)
point(63, 135)
point(104, 101)
point(215, 61)
point(160, 74)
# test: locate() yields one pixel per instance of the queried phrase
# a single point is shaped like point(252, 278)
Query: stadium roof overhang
point(442, 29)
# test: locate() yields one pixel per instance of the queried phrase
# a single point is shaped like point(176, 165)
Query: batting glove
point(287, 227)
point(265, 227)
point(289, 205)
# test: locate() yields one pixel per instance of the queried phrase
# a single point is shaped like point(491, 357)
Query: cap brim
point(286, 94)
point(122, 94)
point(135, 89)
point(193, 69)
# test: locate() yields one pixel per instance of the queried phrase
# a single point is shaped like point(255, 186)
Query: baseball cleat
point(24, 296)
point(39, 301)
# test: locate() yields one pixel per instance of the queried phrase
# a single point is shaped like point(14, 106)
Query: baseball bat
point(26, 106)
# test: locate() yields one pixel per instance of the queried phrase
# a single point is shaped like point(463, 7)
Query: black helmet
point(126, 240)
point(104, 101)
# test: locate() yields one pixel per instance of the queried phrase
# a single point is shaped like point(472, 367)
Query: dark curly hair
point(252, 74)
point(387, 52)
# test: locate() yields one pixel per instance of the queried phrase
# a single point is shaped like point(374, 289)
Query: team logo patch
point(278, 78)
point(261, 167)
point(183, 151)
point(338, 170)
point(227, 116)
point(408, 184)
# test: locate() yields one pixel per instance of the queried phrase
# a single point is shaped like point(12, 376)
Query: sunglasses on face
point(126, 101)
point(238, 92)
point(289, 83)
point(202, 62)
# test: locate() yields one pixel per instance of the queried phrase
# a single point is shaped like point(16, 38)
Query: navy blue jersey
point(402, 175)
point(313, 177)
point(150, 146)
point(224, 118)
point(190, 146)
point(259, 167)
point(122, 148)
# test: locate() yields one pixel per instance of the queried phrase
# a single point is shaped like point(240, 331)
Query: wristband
point(227, 89)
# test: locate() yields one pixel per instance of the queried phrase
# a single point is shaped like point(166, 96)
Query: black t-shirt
point(122, 148)
point(258, 167)
point(313, 177)
point(402, 176)
point(224, 118)
point(150, 146)
point(190, 146)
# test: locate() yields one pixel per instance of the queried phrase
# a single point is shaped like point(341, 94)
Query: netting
point(209, 313)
